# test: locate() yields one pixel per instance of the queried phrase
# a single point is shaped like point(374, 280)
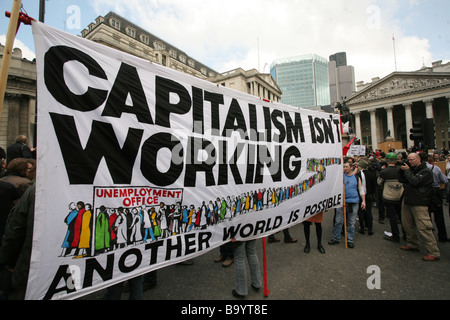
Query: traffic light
point(423, 133)
point(417, 133)
point(428, 133)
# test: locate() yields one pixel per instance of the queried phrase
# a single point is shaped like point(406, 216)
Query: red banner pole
point(266, 290)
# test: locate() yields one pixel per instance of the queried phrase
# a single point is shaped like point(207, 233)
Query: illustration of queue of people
point(119, 227)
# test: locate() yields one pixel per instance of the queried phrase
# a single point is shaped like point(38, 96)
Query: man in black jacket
point(15, 252)
point(19, 149)
point(418, 180)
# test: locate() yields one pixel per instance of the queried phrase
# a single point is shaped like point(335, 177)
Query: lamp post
point(41, 10)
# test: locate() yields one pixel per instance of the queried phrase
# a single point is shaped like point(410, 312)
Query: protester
point(437, 199)
point(19, 149)
point(15, 252)
point(2, 162)
point(226, 254)
point(369, 184)
point(379, 165)
point(9, 196)
point(353, 191)
point(317, 219)
point(150, 280)
point(447, 173)
point(136, 290)
point(287, 237)
point(418, 181)
point(242, 250)
point(17, 174)
point(392, 195)
point(2, 154)
point(31, 171)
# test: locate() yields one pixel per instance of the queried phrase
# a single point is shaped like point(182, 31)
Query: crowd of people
point(17, 189)
point(407, 188)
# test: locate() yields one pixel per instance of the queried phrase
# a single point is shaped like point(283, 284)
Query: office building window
point(145, 39)
point(131, 32)
point(115, 23)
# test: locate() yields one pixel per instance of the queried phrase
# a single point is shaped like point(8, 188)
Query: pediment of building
point(401, 83)
point(268, 78)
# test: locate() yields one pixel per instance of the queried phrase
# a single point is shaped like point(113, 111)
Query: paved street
point(339, 274)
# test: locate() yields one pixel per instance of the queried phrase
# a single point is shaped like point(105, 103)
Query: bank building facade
point(385, 109)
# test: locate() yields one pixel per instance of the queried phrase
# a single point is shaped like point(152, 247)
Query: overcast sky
point(225, 35)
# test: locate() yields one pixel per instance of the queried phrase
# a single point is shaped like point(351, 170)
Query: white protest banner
point(141, 166)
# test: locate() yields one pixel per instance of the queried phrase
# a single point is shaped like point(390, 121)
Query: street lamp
point(42, 10)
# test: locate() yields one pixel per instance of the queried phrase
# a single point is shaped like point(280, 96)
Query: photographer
point(417, 181)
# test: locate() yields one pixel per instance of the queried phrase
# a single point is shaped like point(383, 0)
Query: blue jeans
point(352, 213)
point(248, 249)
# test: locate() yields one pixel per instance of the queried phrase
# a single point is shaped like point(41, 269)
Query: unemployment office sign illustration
point(141, 166)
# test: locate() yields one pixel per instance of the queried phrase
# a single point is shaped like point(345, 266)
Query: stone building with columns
point(117, 32)
point(386, 108)
point(18, 114)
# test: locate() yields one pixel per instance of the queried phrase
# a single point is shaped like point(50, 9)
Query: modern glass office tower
point(303, 80)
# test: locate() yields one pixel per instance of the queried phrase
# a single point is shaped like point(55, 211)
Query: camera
point(402, 163)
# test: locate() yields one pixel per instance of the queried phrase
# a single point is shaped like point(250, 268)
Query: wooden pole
point(344, 209)
point(12, 29)
point(345, 219)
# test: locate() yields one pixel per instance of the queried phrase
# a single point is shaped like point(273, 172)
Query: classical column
point(448, 101)
point(408, 119)
point(390, 121)
point(446, 139)
point(429, 108)
point(13, 103)
point(358, 132)
point(373, 128)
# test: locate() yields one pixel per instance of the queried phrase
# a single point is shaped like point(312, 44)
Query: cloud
point(26, 51)
point(223, 35)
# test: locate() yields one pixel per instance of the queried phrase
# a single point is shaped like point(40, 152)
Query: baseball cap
point(391, 156)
